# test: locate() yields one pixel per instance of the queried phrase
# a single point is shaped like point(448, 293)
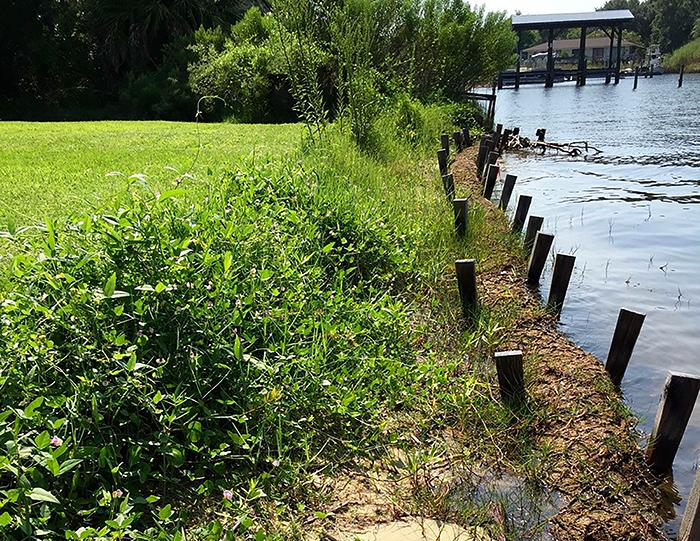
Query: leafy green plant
point(207, 345)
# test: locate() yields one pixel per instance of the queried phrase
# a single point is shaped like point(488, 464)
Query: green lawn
point(53, 169)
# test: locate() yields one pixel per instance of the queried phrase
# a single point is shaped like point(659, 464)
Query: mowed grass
point(55, 169)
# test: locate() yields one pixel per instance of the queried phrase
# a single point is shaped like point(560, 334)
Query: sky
point(534, 7)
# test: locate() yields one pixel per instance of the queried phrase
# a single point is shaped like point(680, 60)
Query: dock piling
point(538, 257)
point(466, 282)
point(680, 77)
point(534, 224)
point(561, 276)
point(511, 381)
point(636, 77)
point(460, 208)
point(672, 415)
point(524, 202)
point(629, 324)
point(508, 185)
point(491, 177)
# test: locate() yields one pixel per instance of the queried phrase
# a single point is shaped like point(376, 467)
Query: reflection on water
point(631, 215)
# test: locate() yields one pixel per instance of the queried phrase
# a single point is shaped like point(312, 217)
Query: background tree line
point(154, 58)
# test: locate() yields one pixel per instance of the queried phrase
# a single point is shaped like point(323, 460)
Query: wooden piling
point(445, 143)
point(491, 177)
point(538, 257)
point(491, 160)
point(460, 208)
point(680, 77)
point(508, 185)
point(442, 161)
point(672, 415)
point(511, 381)
point(690, 525)
point(524, 202)
point(636, 77)
point(541, 134)
point(481, 157)
point(534, 224)
point(516, 131)
point(629, 324)
point(505, 138)
point(561, 276)
point(466, 282)
point(448, 182)
point(466, 138)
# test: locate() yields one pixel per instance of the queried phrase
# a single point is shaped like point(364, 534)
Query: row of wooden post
point(680, 390)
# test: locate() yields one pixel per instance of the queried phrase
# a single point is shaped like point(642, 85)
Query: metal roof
point(564, 44)
point(572, 20)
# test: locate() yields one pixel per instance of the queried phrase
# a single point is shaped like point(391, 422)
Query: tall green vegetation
point(687, 56)
point(153, 59)
point(176, 358)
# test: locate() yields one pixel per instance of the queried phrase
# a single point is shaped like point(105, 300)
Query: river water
point(631, 216)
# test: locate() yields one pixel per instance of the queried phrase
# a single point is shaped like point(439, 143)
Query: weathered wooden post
point(491, 176)
point(516, 131)
point(481, 157)
point(636, 77)
point(445, 143)
point(680, 77)
point(538, 257)
point(690, 525)
point(466, 282)
point(491, 160)
point(497, 135)
point(466, 138)
point(505, 139)
point(524, 202)
point(534, 224)
point(511, 381)
point(460, 208)
point(457, 138)
point(672, 415)
point(561, 276)
point(508, 185)
point(448, 182)
point(541, 134)
point(629, 324)
point(442, 161)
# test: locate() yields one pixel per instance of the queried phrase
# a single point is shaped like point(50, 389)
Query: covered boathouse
point(611, 22)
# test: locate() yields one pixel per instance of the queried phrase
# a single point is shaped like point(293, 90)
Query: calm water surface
point(631, 215)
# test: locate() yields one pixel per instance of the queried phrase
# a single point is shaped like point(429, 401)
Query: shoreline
point(595, 458)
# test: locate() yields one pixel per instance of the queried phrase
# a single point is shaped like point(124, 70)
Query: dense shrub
point(207, 345)
point(688, 56)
